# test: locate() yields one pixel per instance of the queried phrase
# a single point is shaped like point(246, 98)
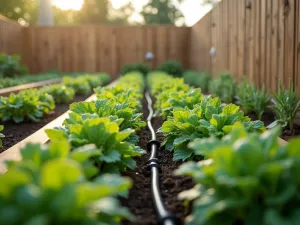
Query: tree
point(161, 12)
point(24, 11)
point(94, 11)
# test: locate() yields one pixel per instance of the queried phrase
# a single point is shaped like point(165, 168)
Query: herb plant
point(223, 87)
point(286, 106)
point(251, 99)
point(26, 105)
point(50, 186)
point(60, 93)
point(197, 79)
point(246, 179)
point(1, 135)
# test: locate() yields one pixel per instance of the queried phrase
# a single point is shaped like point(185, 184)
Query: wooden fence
point(10, 36)
point(257, 38)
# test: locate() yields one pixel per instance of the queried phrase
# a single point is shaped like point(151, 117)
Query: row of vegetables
point(74, 179)
point(34, 104)
point(285, 103)
point(242, 174)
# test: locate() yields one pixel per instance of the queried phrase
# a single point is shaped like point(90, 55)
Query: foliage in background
point(197, 79)
point(1, 135)
point(286, 105)
point(162, 12)
point(137, 67)
point(174, 68)
point(80, 85)
point(10, 66)
point(26, 105)
point(251, 99)
point(223, 87)
point(60, 93)
point(50, 185)
point(246, 179)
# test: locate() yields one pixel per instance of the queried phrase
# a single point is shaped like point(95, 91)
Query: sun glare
point(68, 4)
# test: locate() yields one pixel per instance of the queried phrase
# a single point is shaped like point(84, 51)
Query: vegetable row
point(74, 179)
point(242, 174)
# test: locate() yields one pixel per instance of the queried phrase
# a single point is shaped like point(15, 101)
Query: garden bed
point(15, 133)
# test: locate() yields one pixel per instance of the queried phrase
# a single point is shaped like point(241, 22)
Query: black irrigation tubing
point(164, 217)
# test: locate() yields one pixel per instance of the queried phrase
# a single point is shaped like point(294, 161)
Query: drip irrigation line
point(164, 217)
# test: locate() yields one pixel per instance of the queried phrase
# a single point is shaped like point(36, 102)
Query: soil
point(139, 201)
point(268, 117)
point(288, 134)
point(15, 133)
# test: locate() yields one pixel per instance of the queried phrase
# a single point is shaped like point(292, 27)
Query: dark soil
point(140, 199)
point(268, 117)
point(15, 133)
point(288, 134)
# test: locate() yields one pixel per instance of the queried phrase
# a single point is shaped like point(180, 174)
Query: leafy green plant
point(115, 154)
point(286, 106)
point(137, 67)
point(210, 118)
point(29, 104)
point(223, 87)
point(1, 135)
point(10, 65)
point(246, 179)
point(50, 186)
point(251, 99)
point(197, 79)
point(80, 85)
point(96, 80)
point(173, 68)
point(60, 93)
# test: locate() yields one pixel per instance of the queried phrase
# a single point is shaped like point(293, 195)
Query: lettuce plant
point(1, 135)
point(286, 106)
point(127, 116)
point(26, 105)
point(209, 118)
point(80, 85)
point(223, 87)
point(246, 179)
point(49, 186)
point(60, 93)
point(115, 153)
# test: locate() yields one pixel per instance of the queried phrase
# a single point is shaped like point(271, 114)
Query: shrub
point(10, 66)
point(138, 67)
point(172, 67)
point(197, 79)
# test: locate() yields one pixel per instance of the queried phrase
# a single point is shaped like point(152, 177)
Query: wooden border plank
point(7, 91)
